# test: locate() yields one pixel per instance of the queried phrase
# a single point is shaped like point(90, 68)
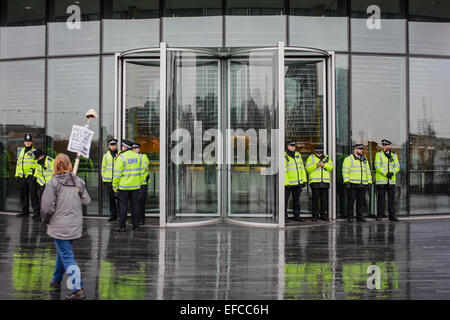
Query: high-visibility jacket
point(145, 163)
point(295, 171)
point(383, 165)
point(127, 171)
point(44, 175)
point(26, 163)
point(356, 171)
point(107, 167)
point(318, 174)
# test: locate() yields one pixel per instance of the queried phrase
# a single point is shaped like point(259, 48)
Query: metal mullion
point(281, 131)
point(162, 134)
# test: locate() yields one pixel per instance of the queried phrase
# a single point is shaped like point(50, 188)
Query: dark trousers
point(28, 189)
point(319, 202)
point(133, 196)
point(295, 191)
point(113, 205)
point(358, 194)
point(382, 189)
point(142, 200)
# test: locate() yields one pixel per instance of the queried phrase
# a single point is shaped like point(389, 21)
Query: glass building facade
point(392, 75)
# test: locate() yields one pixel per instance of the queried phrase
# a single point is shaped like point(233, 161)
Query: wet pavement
point(323, 261)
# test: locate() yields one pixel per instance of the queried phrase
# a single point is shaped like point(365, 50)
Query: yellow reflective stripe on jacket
point(355, 171)
point(43, 176)
point(127, 171)
point(25, 163)
point(107, 167)
point(295, 172)
point(383, 166)
point(318, 174)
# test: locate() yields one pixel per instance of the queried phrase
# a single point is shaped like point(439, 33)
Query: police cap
point(358, 146)
point(127, 143)
point(385, 142)
point(112, 141)
point(28, 137)
point(291, 142)
point(136, 145)
point(318, 149)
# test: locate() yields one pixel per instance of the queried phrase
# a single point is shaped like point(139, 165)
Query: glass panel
point(342, 119)
point(304, 112)
point(379, 112)
point(429, 27)
point(193, 31)
point(73, 88)
point(198, 8)
point(193, 180)
point(318, 24)
point(254, 30)
point(429, 136)
point(142, 119)
point(380, 30)
point(252, 124)
point(255, 7)
point(24, 34)
point(130, 24)
point(22, 92)
point(76, 32)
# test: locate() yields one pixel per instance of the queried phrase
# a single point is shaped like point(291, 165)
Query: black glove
point(389, 175)
point(18, 179)
point(303, 185)
point(347, 185)
point(116, 195)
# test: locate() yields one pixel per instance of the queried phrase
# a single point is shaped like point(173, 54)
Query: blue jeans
point(64, 260)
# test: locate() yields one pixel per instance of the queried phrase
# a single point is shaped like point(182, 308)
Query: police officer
point(107, 177)
point(319, 166)
point(127, 181)
point(356, 176)
point(43, 172)
point(26, 164)
point(387, 166)
point(294, 178)
point(145, 163)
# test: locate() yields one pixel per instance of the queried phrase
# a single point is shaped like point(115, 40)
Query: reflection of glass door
point(192, 123)
point(141, 116)
point(222, 127)
point(305, 111)
point(252, 123)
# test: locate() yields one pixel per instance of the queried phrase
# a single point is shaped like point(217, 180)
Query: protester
point(61, 209)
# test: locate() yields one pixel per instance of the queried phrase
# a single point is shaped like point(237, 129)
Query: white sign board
point(80, 140)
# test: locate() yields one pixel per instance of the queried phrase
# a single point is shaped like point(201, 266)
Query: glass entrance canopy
point(214, 124)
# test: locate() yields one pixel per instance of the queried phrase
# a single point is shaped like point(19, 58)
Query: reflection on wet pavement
point(224, 261)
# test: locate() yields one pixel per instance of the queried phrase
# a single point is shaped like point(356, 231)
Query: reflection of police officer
point(26, 164)
point(107, 176)
point(43, 173)
point(127, 182)
point(294, 178)
point(319, 166)
point(356, 176)
point(387, 166)
point(145, 177)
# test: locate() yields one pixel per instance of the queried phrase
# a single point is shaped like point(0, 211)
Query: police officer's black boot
point(299, 219)
point(361, 219)
point(37, 217)
point(350, 218)
point(393, 218)
point(23, 215)
point(314, 218)
point(119, 229)
point(325, 218)
point(379, 218)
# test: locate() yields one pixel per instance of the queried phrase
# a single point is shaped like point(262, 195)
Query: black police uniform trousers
point(319, 199)
point(113, 205)
point(358, 193)
point(142, 200)
point(28, 189)
point(382, 189)
point(133, 196)
point(295, 191)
